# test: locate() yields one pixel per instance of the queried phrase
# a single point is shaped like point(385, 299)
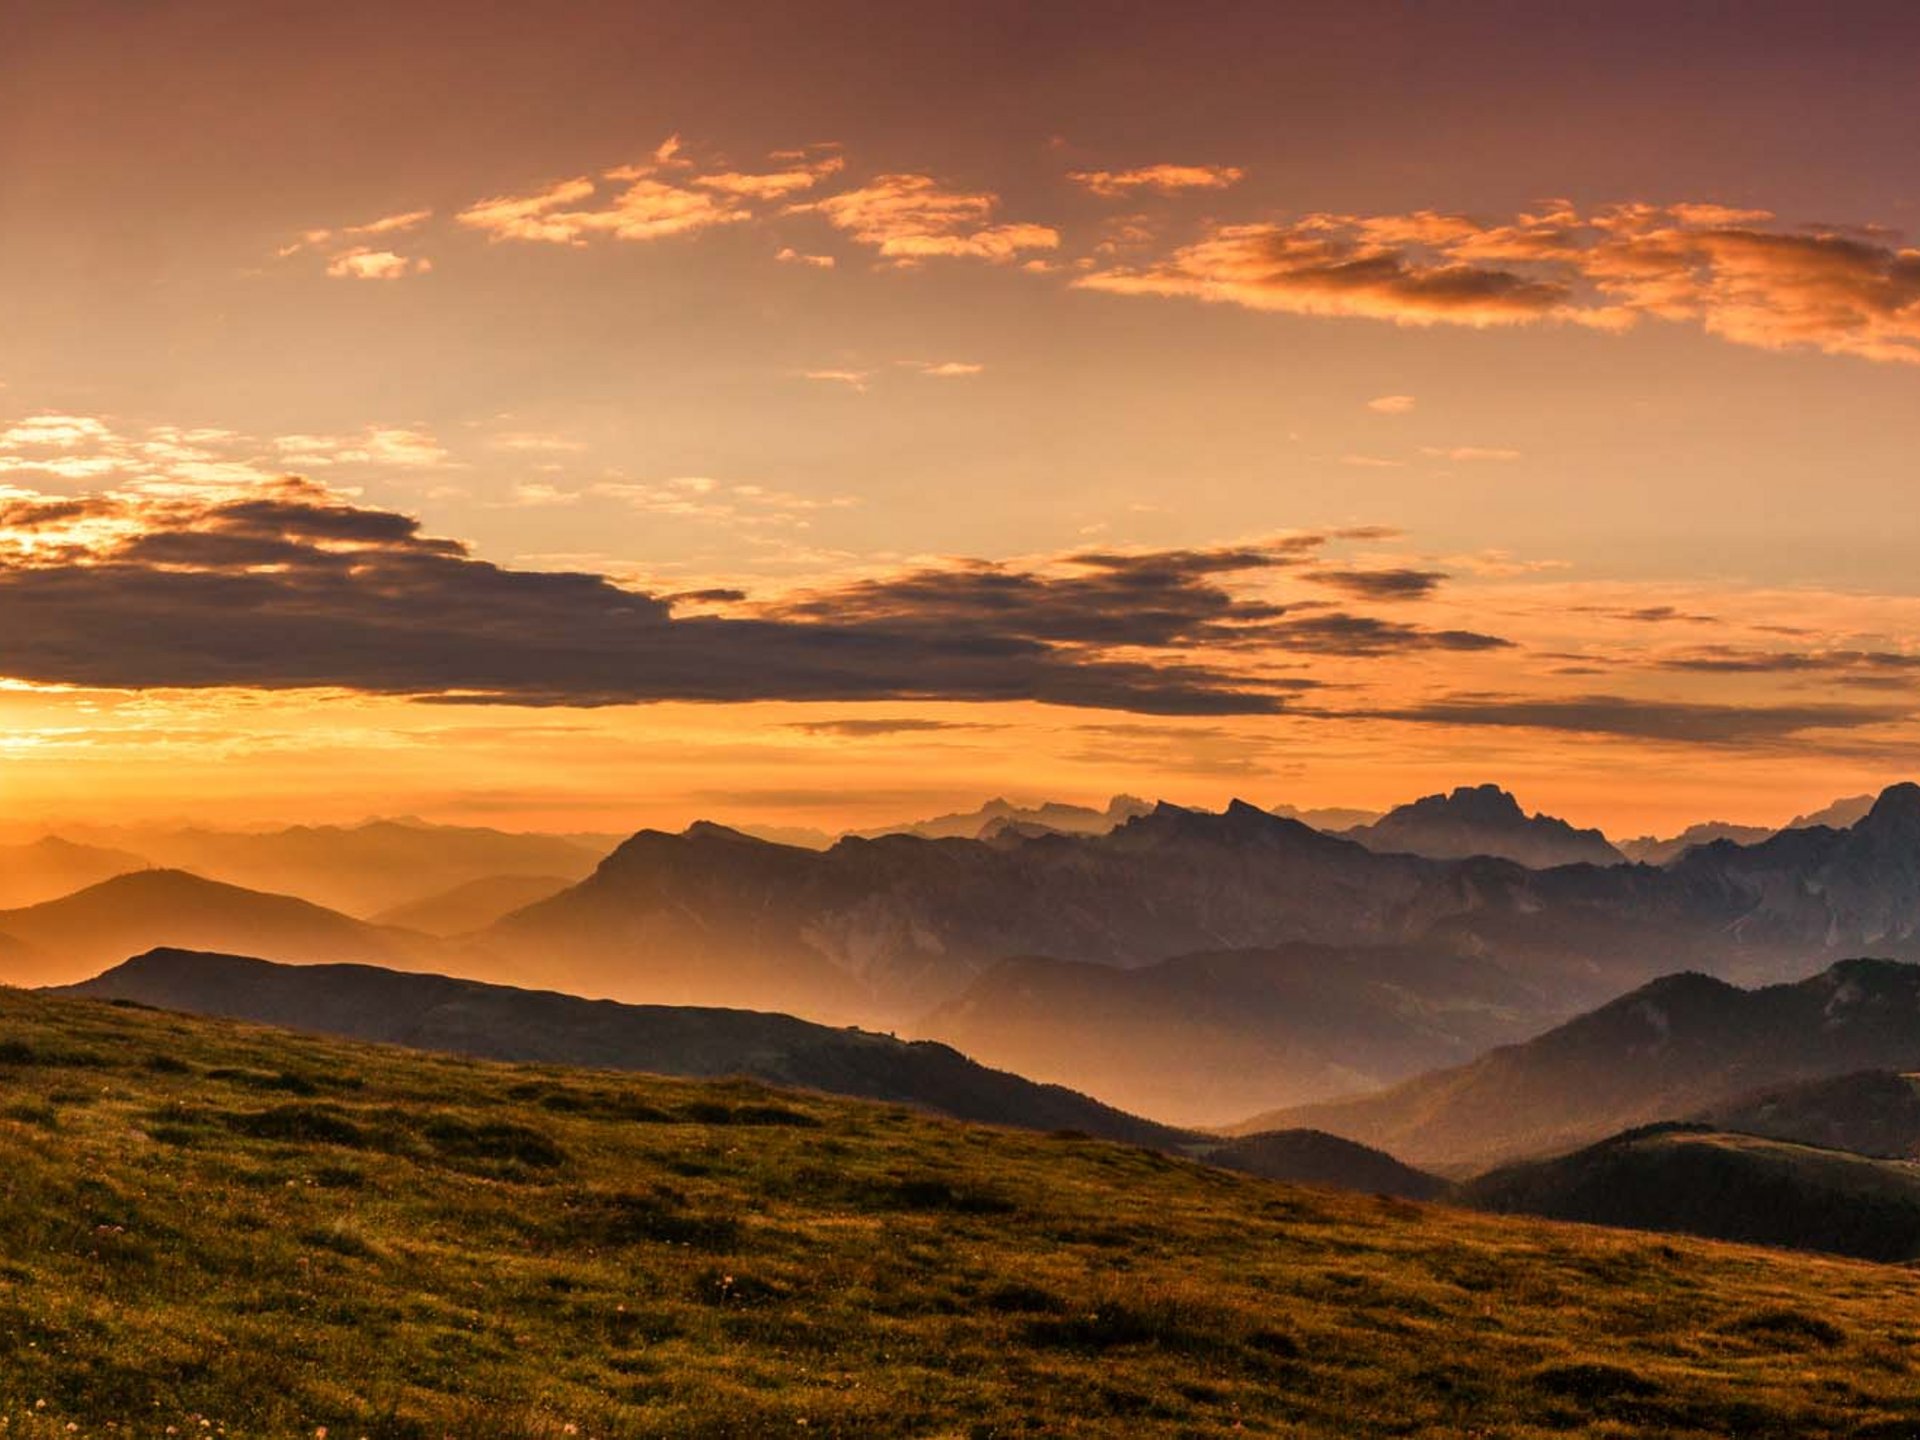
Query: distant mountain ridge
point(1652, 850)
point(1049, 815)
point(1673, 1049)
point(50, 867)
point(472, 904)
point(1484, 820)
point(359, 870)
point(66, 939)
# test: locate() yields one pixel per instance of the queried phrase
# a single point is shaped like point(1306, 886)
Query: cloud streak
point(912, 218)
point(1675, 721)
point(1162, 179)
point(1736, 274)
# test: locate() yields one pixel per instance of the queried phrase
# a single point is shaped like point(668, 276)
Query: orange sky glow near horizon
point(825, 416)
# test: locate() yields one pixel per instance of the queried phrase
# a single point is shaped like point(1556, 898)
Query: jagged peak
point(1896, 805)
point(714, 830)
point(1485, 803)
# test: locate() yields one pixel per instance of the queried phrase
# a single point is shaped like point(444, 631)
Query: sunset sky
point(589, 415)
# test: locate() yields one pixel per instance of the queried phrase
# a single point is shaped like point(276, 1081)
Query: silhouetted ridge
point(497, 1022)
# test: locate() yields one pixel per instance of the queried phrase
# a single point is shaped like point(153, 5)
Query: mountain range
point(890, 928)
point(1053, 953)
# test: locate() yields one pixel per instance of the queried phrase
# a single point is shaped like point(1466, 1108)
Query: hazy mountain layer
point(1201, 1038)
point(472, 904)
point(1670, 1050)
point(1053, 815)
point(1652, 850)
point(70, 938)
point(360, 869)
point(51, 867)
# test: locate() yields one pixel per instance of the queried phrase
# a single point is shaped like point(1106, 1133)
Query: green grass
point(235, 1232)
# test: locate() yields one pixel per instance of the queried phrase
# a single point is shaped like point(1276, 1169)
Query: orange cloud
point(1732, 272)
point(362, 263)
point(1166, 179)
point(668, 194)
point(909, 218)
point(347, 260)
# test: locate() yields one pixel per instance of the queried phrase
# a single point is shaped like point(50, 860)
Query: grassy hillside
point(1699, 1181)
point(235, 1231)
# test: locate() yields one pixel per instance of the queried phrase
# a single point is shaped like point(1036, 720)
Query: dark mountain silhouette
point(1870, 1112)
point(1199, 1038)
point(365, 869)
point(66, 939)
point(51, 867)
point(1651, 850)
point(1484, 820)
point(472, 904)
point(1672, 1049)
point(1696, 1181)
point(1049, 815)
point(496, 1022)
point(1313, 1157)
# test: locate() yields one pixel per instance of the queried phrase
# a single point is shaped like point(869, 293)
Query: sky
point(594, 415)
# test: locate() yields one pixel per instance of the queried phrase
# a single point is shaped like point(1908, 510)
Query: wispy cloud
point(347, 257)
point(910, 218)
point(1468, 454)
point(366, 264)
point(1391, 404)
point(943, 369)
point(855, 380)
point(1166, 179)
point(393, 446)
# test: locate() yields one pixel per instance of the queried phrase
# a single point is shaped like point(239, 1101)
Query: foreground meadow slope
point(206, 1222)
